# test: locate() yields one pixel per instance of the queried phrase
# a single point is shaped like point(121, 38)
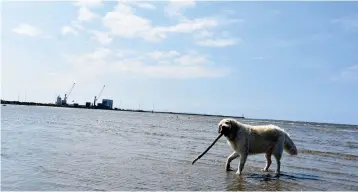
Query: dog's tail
point(290, 147)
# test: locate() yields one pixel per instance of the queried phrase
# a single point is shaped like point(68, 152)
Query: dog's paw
point(277, 174)
point(229, 169)
point(238, 173)
point(264, 170)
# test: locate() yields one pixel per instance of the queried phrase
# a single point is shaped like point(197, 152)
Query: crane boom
point(97, 97)
point(100, 93)
point(70, 90)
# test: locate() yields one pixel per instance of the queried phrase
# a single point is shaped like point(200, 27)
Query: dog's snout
point(224, 129)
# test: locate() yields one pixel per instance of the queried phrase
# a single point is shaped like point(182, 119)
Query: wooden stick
point(217, 138)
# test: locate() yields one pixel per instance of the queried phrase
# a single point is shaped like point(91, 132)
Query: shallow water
point(45, 148)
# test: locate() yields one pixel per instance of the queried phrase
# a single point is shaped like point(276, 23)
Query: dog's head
point(227, 127)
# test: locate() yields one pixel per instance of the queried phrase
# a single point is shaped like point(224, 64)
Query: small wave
point(330, 154)
point(291, 176)
point(352, 145)
point(347, 130)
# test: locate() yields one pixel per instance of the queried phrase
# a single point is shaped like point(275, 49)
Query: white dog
point(248, 140)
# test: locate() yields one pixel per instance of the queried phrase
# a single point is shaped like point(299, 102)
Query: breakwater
point(5, 102)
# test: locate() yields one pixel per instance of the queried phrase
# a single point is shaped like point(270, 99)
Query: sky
point(269, 60)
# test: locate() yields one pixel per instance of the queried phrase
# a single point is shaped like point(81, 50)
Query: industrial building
point(107, 103)
point(59, 100)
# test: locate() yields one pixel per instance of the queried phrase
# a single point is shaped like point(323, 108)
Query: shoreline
point(5, 102)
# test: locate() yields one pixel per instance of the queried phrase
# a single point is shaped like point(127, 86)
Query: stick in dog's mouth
point(217, 138)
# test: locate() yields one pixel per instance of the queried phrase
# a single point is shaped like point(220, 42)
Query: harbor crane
point(68, 94)
point(97, 97)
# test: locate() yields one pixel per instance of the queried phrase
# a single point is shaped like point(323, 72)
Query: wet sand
point(49, 149)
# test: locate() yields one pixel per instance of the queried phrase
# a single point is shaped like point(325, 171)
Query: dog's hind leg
point(268, 157)
point(278, 161)
point(277, 153)
point(268, 160)
point(233, 156)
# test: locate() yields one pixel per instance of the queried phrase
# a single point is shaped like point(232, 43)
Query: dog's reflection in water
point(236, 183)
point(264, 181)
point(253, 182)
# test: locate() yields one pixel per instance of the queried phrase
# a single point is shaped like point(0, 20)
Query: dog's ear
point(233, 126)
point(232, 129)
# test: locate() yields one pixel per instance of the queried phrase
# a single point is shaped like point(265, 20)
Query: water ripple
point(47, 148)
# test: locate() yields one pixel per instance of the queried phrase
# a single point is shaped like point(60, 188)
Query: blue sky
point(280, 60)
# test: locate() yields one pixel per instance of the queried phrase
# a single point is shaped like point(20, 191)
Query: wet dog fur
point(247, 140)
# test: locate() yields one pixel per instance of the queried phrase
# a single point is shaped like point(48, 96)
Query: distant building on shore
point(88, 104)
point(59, 100)
point(107, 103)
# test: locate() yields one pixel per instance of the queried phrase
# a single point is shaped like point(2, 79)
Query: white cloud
point(102, 37)
point(176, 8)
point(51, 74)
point(26, 29)
point(77, 25)
point(98, 54)
point(169, 57)
point(90, 65)
point(210, 39)
point(46, 36)
point(188, 26)
point(84, 14)
point(162, 55)
point(125, 53)
point(217, 42)
point(124, 23)
point(170, 71)
point(68, 30)
point(145, 5)
point(203, 34)
point(192, 60)
point(156, 64)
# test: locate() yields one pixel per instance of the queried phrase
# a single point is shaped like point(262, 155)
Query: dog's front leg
point(243, 158)
point(233, 156)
